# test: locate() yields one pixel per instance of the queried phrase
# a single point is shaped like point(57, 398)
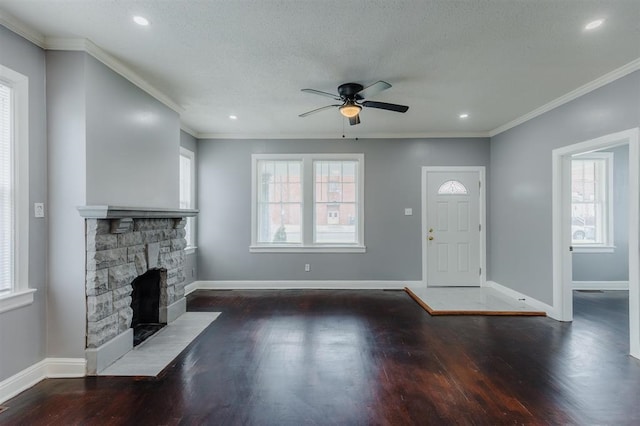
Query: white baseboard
point(47, 368)
point(600, 285)
point(103, 356)
point(551, 312)
point(191, 287)
point(172, 312)
point(292, 284)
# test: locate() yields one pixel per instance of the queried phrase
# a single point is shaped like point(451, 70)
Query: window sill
point(16, 300)
point(593, 249)
point(190, 250)
point(308, 249)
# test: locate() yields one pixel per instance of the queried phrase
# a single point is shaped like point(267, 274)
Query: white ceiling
point(497, 60)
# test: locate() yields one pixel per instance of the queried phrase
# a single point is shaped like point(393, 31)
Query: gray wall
point(102, 131)
point(22, 330)
point(191, 260)
point(392, 182)
point(66, 127)
point(132, 143)
point(611, 266)
point(520, 181)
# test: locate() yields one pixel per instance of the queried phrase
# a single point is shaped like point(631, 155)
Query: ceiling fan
point(352, 96)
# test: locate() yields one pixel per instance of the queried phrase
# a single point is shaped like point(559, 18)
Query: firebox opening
point(145, 303)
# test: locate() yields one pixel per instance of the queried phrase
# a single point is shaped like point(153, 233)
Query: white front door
point(453, 229)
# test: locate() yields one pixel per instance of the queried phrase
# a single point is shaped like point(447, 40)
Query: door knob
point(430, 238)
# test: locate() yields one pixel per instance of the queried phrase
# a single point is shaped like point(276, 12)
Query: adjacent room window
point(591, 200)
point(307, 202)
point(187, 193)
point(14, 191)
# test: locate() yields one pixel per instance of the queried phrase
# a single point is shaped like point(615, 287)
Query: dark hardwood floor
point(365, 358)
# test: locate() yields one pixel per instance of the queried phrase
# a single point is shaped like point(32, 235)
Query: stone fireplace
point(123, 245)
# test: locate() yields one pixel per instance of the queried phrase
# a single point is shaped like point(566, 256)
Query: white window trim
point(192, 157)
point(608, 246)
point(21, 295)
point(308, 212)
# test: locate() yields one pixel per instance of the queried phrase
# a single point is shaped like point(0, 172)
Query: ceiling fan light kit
point(353, 97)
point(350, 109)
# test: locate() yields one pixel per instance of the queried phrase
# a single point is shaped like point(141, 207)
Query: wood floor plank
point(364, 357)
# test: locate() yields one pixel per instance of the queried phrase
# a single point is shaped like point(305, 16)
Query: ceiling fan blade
point(373, 89)
point(354, 120)
point(384, 105)
point(321, 93)
point(317, 110)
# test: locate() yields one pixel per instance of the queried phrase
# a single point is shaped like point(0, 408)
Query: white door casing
point(453, 226)
point(561, 228)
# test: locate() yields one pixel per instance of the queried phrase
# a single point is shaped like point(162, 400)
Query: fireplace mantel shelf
point(117, 212)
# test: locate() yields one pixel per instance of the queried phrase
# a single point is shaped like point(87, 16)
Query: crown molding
point(574, 94)
point(188, 130)
point(335, 135)
point(22, 29)
point(113, 63)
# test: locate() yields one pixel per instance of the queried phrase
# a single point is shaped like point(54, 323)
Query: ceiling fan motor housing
point(350, 90)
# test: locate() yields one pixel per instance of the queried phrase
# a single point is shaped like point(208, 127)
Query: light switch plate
point(38, 209)
point(408, 212)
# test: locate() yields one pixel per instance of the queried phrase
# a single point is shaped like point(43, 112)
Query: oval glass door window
point(452, 187)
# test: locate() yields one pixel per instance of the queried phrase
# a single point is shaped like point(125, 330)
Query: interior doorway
point(563, 236)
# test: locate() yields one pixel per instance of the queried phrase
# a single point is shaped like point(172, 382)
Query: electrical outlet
point(38, 209)
point(408, 212)
point(307, 267)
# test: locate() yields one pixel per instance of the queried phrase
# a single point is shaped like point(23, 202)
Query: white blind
point(6, 190)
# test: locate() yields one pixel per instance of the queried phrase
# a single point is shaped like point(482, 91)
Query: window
point(591, 200)
point(452, 187)
point(307, 202)
point(6, 190)
point(14, 191)
point(187, 193)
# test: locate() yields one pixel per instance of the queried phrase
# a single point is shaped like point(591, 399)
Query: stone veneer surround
point(123, 243)
point(119, 250)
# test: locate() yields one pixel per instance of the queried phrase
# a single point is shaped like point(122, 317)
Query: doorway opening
point(565, 229)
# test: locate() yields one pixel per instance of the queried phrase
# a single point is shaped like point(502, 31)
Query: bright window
point(336, 201)
point(187, 193)
point(14, 191)
point(591, 200)
point(307, 202)
point(6, 190)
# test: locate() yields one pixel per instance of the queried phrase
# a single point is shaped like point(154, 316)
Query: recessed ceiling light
point(141, 20)
point(594, 24)
point(233, 117)
point(464, 115)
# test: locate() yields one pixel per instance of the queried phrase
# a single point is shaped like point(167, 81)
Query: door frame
point(561, 227)
point(482, 216)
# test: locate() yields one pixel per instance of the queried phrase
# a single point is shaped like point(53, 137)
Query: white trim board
point(300, 285)
point(600, 285)
point(513, 294)
point(47, 368)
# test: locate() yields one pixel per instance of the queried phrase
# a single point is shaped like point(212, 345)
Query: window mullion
point(308, 197)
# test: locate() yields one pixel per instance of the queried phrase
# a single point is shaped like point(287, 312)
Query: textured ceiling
point(495, 59)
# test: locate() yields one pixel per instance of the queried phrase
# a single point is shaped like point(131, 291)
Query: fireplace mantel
point(117, 212)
